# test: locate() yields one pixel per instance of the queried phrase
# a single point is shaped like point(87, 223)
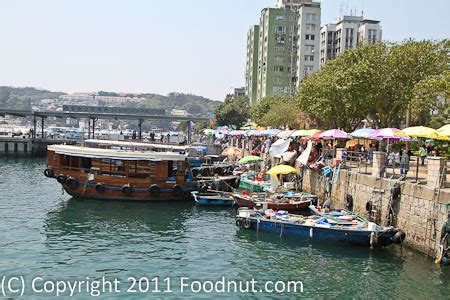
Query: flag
point(211, 119)
point(191, 124)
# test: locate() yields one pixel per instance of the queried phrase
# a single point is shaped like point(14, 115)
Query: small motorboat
point(288, 201)
point(342, 227)
point(213, 198)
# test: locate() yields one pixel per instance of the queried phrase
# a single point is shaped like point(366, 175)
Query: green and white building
point(283, 49)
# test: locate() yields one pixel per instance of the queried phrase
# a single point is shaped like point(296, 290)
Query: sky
point(188, 46)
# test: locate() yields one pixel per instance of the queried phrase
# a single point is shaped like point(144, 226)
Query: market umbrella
point(250, 159)
point(444, 130)
point(281, 169)
point(422, 132)
point(285, 134)
point(334, 134)
point(362, 133)
point(317, 134)
point(389, 134)
point(209, 131)
point(231, 151)
point(272, 132)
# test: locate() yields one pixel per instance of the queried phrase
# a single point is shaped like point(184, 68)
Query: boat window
point(171, 168)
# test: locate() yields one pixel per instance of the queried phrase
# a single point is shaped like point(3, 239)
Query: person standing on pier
point(405, 155)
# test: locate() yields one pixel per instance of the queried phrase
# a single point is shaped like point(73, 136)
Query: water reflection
point(96, 216)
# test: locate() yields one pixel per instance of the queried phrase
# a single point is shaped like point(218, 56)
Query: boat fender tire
point(247, 223)
point(154, 190)
point(349, 202)
point(204, 188)
point(443, 230)
point(369, 206)
point(219, 171)
point(72, 182)
point(399, 237)
point(396, 191)
point(49, 173)
point(100, 188)
point(126, 190)
point(177, 190)
point(237, 181)
point(61, 178)
point(239, 222)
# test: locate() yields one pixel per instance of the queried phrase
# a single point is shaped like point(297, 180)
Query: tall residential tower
point(287, 48)
point(347, 33)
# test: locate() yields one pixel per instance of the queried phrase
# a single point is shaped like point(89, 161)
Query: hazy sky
point(190, 46)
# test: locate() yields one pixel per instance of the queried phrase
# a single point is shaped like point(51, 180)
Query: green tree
point(275, 111)
point(233, 111)
point(391, 84)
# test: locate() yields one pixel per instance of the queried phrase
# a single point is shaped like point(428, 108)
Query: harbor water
point(47, 234)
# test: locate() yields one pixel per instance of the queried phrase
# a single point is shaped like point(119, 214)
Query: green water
point(47, 234)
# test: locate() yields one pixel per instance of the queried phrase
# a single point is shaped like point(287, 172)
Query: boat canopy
point(136, 144)
point(115, 154)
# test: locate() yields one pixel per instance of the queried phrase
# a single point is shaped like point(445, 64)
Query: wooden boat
point(213, 198)
point(122, 171)
point(289, 201)
point(357, 231)
point(249, 182)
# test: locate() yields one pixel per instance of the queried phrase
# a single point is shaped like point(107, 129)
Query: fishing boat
point(215, 198)
point(116, 170)
point(343, 227)
point(288, 201)
point(250, 183)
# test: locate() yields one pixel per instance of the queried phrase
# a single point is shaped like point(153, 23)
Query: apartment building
point(283, 48)
point(347, 33)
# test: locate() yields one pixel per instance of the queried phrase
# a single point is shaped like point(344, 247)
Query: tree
point(390, 84)
point(233, 111)
point(275, 111)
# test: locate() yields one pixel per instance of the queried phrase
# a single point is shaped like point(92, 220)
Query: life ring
point(61, 178)
point(349, 202)
point(154, 190)
point(72, 182)
point(369, 206)
point(239, 222)
point(100, 188)
point(247, 223)
point(49, 173)
point(177, 190)
point(126, 190)
point(204, 188)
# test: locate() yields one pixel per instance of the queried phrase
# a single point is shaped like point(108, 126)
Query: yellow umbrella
point(444, 130)
point(281, 169)
point(423, 132)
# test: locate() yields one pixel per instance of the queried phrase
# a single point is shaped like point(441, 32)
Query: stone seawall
point(420, 210)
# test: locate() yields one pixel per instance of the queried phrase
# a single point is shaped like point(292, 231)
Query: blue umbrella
point(362, 133)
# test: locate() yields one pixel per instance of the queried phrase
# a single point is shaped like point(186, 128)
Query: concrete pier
point(419, 210)
point(27, 147)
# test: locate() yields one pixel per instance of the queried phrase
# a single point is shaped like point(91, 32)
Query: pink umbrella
point(334, 134)
point(387, 134)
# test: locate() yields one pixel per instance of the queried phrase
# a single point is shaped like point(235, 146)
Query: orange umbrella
point(231, 151)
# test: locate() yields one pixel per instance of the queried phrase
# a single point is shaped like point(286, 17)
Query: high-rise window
point(310, 26)
point(278, 68)
point(310, 17)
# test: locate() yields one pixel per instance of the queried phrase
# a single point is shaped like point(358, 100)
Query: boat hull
point(358, 237)
point(212, 199)
point(290, 207)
